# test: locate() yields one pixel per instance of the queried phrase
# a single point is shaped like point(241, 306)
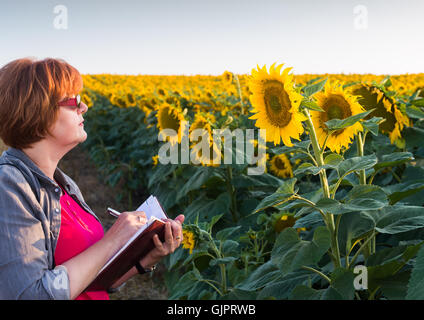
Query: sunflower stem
point(360, 147)
point(232, 192)
point(360, 141)
point(239, 92)
point(318, 153)
point(322, 275)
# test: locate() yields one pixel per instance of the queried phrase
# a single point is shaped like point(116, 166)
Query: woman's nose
point(83, 108)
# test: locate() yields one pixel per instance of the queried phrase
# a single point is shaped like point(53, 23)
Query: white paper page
point(146, 208)
point(152, 208)
point(155, 208)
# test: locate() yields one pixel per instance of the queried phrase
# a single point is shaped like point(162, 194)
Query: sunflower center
point(279, 164)
point(369, 100)
point(334, 112)
point(277, 104)
point(169, 120)
point(336, 107)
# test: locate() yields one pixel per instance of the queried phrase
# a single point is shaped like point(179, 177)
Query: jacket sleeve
point(24, 271)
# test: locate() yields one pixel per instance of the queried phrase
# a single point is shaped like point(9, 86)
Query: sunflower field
point(338, 212)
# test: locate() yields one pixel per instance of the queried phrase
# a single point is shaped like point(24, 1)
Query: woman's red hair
point(29, 93)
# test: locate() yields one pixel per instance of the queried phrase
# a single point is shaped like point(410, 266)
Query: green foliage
point(264, 237)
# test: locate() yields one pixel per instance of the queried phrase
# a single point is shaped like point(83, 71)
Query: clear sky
point(210, 36)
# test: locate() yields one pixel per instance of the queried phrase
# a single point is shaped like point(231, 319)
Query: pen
point(113, 212)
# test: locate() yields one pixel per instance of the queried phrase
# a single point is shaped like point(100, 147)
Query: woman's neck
point(45, 156)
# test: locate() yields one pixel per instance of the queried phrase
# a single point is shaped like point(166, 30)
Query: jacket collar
point(58, 174)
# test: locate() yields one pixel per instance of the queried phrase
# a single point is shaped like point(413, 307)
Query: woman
point(52, 245)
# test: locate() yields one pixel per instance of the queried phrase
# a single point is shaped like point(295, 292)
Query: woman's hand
point(125, 227)
point(173, 239)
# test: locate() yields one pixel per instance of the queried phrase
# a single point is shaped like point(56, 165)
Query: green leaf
point(342, 282)
point(393, 159)
point(303, 292)
point(282, 288)
point(311, 105)
point(283, 193)
point(230, 247)
point(359, 198)
point(333, 160)
point(356, 163)
point(263, 180)
point(301, 146)
point(331, 205)
point(199, 178)
point(397, 219)
point(290, 252)
point(214, 220)
point(353, 226)
point(306, 167)
point(207, 208)
point(311, 89)
point(414, 136)
point(225, 260)
point(372, 125)
point(400, 191)
point(265, 274)
point(341, 288)
point(366, 197)
point(386, 263)
point(237, 294)
point(184, 285)
point(416, 282)
point(414, 112)
point(418, 102)
point(227, 232)
point(338, 124)
point(395, 287)
point(160, 173)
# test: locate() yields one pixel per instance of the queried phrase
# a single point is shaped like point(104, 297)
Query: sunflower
point(281, 166)
point(170, 117)
point(203, 121)
point(207, 160)
point(276, 104)
point(285, 220)
point(337, 104)
point(371, 97)
point(189, 240)
point(227, 76)
point(86, 99)
point(155, 160)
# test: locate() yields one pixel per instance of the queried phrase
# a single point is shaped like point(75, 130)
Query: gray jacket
point(29, 229)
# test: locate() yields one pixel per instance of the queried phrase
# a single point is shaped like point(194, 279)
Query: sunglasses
point(71, 102)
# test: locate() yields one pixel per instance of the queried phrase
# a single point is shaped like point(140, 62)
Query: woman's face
point(68, 130)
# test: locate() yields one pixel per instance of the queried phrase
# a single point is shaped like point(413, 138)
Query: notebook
point(135, 248)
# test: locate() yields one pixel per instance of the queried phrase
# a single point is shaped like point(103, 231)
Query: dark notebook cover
point(137, 248)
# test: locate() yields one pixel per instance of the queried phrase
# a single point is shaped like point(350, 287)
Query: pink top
point(78, 231)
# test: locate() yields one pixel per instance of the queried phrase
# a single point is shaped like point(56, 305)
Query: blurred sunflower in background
point(336, 103)
point(155, 160)
point(170, 117)
point(227, 77)
point(421, 92)
point(203, 121)
point(86, 99)
point(280, 165)
point(371, 97)
point(284, 220)
point(207, 159)
point(275, 104)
